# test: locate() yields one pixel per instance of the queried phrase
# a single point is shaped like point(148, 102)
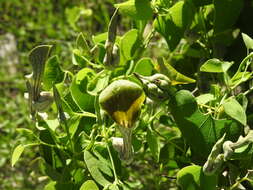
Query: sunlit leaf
point(176, 78)
point(136, 9)
point(205, 98)
point(144, 66)
point(173, 25)
point(192, 177)
point(248, 41)
point(89, 185)
point(235, 110)
point(16, 154)
point(129, 43)
point(216, 66)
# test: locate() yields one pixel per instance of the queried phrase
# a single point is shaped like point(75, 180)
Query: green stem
point(113, 166)
point(248, 91)
point(243, 63)
point(240, 181)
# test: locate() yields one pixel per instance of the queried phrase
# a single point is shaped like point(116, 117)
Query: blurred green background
point(23, 25)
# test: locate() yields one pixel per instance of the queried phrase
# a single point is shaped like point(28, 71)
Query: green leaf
point(89, 185)
point(81, 98)
point(54, 185)
point(81, 43)
point(113, 187)
point(200, 131)
point(215, 66)
point(193, 178)
point(241, 74)
point(16, 154)
point(129, 43)
point(248, 41)
point(181, 14)
point(74, 13)
point(73, 122)
point(84, 77)
point(52, 123)
point(93, 165)
point(53, 73)
point(50, 186)
point(136, 9)
point(235, 110)
point(176, 78)
point(78, 59)
point(101, 38)
point(242, 99)
point(153, 143)
point(144, 66)
point(173, 25)
point(226, 14)
point(205, 98)
point(239, 78)
point(98, 83)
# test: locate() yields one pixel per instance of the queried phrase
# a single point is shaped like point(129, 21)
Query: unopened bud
point(157, 87)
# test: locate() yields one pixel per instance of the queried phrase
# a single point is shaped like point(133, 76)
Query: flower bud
point(122, 100)
point(157, 87)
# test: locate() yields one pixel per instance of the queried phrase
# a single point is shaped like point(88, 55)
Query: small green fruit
point(122, 100)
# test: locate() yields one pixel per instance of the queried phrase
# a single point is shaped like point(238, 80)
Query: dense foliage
point(158, 99)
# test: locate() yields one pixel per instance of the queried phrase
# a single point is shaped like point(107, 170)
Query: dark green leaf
point(38, 57)
point(226, 14)
point(82, 44)
point(53, 73)
point(173, 25)
point(200, 131)
point(153, 143)
point(242, 99)
point(201, 2)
